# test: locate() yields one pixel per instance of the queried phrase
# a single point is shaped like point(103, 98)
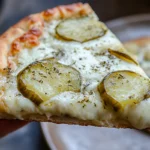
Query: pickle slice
point(123, 88)
point(44, 79)
point(123, 56)
point(80, 29)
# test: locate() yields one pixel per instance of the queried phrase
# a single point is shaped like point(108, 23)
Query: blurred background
point(31, 137)
point(13, 10)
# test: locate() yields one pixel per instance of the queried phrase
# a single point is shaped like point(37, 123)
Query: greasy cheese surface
point(92, 60)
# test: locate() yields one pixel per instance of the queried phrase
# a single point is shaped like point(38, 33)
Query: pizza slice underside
point(63, 65)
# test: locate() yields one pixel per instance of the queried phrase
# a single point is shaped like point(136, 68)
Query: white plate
point(70, 137)
point(131, 27)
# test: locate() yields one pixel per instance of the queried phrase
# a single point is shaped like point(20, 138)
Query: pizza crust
point(72, 121)
point(141, 49)
point(140, 41)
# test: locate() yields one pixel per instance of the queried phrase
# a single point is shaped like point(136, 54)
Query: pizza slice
point(141, 49)
point(63, 65)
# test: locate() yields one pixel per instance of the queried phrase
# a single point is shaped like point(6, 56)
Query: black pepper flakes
point(83, 105)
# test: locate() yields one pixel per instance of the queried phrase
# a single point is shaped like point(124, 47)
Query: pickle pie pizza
point(63, 65)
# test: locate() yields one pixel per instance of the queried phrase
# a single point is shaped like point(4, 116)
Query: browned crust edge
point(27, 31)
point(73, 121)
point(139, 41)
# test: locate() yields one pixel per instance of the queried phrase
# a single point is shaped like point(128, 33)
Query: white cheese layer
point(93, 67)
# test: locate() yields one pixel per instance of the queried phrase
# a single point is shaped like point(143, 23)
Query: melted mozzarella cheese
point(16, 102)
point(138, 115)
point(93, 67)
point(75, 103)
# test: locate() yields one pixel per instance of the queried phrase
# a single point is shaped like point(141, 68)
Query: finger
point(8, 126)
